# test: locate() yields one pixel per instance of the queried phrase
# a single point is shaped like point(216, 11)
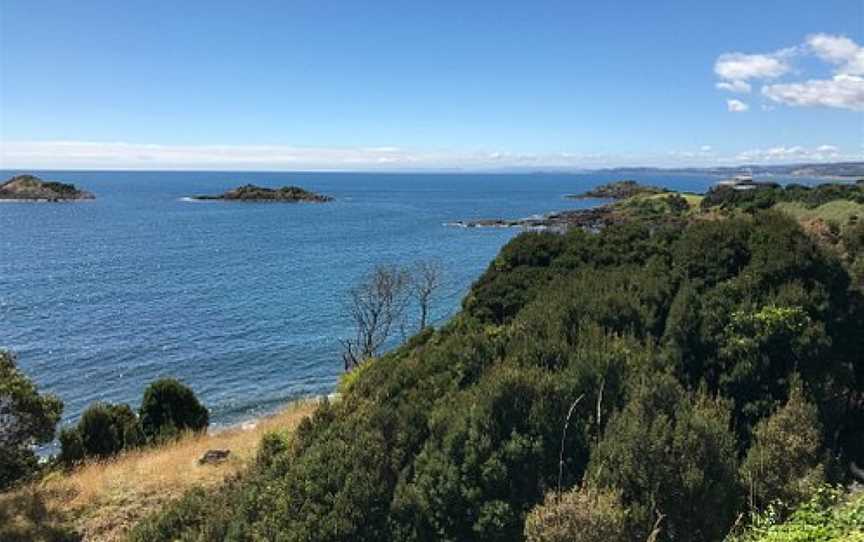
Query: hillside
point(100, 501)
point(670, 377)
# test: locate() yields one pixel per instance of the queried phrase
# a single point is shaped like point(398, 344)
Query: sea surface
point(242, 301)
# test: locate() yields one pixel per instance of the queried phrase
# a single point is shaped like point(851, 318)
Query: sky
point(395, 85)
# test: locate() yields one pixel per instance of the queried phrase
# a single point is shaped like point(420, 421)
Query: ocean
point(244, 302)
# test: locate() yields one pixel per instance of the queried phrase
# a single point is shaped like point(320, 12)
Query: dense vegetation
point(703, 372)
point(168, 408)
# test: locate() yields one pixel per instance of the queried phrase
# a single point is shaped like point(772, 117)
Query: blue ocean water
point(242, 301)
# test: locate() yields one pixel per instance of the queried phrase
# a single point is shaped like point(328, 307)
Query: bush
point(27, 418)
point(784, 463)
point(579, 515)
point(105, 430)
point(673, 455)
point(169, 407)
point(71, 446)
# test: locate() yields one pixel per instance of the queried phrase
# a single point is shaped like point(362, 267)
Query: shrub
point(27, 418)
point(671, 454)
point(169, 407)
point(71, 446)
point(784, 463)
point(107, 429)
point(579, 515)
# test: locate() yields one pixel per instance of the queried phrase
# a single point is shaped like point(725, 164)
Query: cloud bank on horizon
point(120, 155)
point(844, 89)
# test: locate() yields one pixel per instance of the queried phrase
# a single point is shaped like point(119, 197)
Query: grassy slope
point(103, 500)
point(839, 211)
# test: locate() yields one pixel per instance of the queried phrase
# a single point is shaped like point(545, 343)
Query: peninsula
point(253, 193)
point(619, 190)
point(32, 188)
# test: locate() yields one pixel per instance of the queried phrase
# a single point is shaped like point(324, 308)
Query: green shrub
point(71, 446)
point(784, 465)
point(195, 514)
point(105, 430)
point(579, 515)
point(671, 455)
point(168, 408)
point(27, 419)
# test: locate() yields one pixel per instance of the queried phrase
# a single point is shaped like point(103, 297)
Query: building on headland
point(743, 182)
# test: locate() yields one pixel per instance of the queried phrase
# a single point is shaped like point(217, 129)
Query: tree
point(425, 281)
point(27, 418)
point(169, 407)
point(375, 306)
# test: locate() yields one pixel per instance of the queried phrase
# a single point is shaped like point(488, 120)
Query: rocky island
point(252, 193)
point(32, 188)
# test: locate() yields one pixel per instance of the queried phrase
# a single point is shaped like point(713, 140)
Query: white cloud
point(841, 91)
point(736, 106)
point(838, 50)
point(740, 66)
point(25, 155)
point(742, 87)
point(795, 153)
point(844, 90)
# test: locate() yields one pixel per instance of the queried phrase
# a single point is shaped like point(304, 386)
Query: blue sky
point(404, 85)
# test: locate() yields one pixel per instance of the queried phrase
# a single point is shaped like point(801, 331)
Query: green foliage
point(827, 516)
point(71, 446)
point(663, 350)
point(672, 456)
point(579, 515)
point(102, 431)
point(169, 407)
point(784, 464)
point(194, 514)
point(27, 418)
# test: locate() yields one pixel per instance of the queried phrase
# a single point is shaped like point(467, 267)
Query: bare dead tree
point(376, 306)
point(426, 279)
point(564, 439)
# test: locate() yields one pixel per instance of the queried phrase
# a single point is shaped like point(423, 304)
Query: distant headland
point(619, 190)
point(32, 188)
point(252, 193)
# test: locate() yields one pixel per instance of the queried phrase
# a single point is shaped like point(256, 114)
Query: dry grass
point(103, 500)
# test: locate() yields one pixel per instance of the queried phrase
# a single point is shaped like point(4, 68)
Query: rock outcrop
point(252, 193)
point(32, 188)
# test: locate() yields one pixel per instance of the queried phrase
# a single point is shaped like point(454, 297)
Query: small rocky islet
point(253, 193)
point(32, 188)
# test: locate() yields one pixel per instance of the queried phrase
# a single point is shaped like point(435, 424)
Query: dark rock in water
point(589, 219)
point(212, 457)
point(32, 188)
point(250, 192)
